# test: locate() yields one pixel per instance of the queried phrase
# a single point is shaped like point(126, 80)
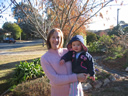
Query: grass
point(8, 62)
point(28, 48)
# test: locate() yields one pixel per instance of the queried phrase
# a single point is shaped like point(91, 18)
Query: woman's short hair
point(50, 34)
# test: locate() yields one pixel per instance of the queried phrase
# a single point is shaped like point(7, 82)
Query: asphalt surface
point(6, 46)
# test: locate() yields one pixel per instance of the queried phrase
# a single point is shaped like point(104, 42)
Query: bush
point(94, 47)
point(26, 71)
point(104, 44)
point(109, 45)
point(91, 37)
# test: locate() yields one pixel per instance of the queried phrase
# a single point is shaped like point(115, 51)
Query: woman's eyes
point(55, 37)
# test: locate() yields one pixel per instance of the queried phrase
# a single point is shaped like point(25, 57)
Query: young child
point(81, 59)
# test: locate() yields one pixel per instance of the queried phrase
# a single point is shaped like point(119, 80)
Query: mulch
point(118, 64)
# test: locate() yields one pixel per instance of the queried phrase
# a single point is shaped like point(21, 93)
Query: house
point(125, 25)
point(4, 34)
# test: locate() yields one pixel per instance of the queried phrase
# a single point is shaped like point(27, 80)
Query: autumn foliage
point(69, 16)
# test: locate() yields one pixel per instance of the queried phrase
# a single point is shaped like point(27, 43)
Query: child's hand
point(92, 77)
point(62, 62)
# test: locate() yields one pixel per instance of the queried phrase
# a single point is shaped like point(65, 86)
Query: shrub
point(37, 61)
point(110, 45)
point(94, 47)
point(105, 42)
point(126, 55)
point(26, 71)
point(91, 37)
point(102, 45)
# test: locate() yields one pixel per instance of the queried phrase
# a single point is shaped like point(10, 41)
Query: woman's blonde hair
point(51, 33)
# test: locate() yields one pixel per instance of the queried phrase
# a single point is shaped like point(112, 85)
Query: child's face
point(76, 46)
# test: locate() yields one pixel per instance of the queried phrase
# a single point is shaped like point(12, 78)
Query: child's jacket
point(84, 63)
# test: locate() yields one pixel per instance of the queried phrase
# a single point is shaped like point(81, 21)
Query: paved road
point(6, 46)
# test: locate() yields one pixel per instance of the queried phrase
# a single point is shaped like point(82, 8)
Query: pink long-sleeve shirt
point(60, 76)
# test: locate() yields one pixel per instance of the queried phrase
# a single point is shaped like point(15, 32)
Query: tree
point(114, 31)
point(71, 16)
point(122, 34)
point(125, 30)
point(14, 28)
point(22, 20)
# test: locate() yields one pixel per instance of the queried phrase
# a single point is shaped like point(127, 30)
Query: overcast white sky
point(98, 23)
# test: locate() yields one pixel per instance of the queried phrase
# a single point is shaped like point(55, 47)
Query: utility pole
point(118, 16)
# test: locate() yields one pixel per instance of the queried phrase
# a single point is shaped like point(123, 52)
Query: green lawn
point(8, 62)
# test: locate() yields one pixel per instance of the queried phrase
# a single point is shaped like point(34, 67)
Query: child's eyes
point(76, 45)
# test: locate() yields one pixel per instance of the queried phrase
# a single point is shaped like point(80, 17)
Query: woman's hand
point(81, 77)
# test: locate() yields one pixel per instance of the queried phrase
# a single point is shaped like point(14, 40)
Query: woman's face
point(55, 40)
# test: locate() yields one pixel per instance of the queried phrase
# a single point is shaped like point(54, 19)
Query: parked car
point(9, 40)
point(6, 40)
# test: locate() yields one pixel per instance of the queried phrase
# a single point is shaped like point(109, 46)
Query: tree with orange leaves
point(71, 16)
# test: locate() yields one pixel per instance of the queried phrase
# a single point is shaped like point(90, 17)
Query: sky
point(7, 14)
point(103, 23)
point(98, 23)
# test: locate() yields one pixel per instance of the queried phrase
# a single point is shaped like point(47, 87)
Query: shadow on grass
point(4, 86)
point(13, 64)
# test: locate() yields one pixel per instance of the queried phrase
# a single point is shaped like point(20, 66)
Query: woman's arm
point(56, 79)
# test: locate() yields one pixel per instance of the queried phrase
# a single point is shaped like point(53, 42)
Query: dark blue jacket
point(84, 63)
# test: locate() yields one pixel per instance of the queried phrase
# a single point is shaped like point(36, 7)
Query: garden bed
point(118, 64)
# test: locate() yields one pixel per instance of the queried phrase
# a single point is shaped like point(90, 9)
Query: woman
point(60, 76)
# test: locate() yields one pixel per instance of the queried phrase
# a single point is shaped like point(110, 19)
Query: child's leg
point(76, 89)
